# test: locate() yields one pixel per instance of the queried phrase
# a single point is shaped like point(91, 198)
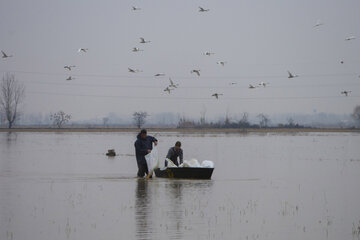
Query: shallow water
point(264, 186)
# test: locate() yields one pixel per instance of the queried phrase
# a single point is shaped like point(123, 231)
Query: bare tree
point(356, 115)
point(105, 121)
point(244, 121)
point(139, 118)
point(203, 116)
point(60, 118)
point(291, 122)
point(12, 93)
point(264, 120)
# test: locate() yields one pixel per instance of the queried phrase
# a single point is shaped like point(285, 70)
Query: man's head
point(143, 133)
point(177, 146)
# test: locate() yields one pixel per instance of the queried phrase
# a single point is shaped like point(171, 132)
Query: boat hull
point(187, 173)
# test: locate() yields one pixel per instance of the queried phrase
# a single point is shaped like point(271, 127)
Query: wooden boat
point(186, 172)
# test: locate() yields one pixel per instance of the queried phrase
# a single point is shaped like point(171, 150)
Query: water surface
point(265, 186)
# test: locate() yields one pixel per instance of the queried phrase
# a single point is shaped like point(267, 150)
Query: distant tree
point(291, 122)
point(264, 120)
point(105, 121)
point(60, 118)
point(356, 115)
point(12, 94)
point(203, 116)
point(139, 118)
point(244, 121)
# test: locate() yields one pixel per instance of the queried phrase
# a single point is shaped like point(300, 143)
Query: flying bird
point(83, 50)
point(196, 71)
point(142, 40)
point(134, 70)
point(217, 95)
point(263, 84)
point(4, 55)
point(291, 75)
point(167, 89)
point(203, 9)
point(70, 78)
point(69, 67)
point(135, 8)
point(159, 75)
point(346, 93)
point(318, 24)
point(232, 83)
point(135, 49)
point(350, 38)
point(252, 86)
point(172, 84)
point(221, 62)
point(208, 53)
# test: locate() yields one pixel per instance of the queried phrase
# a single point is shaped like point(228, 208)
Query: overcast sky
point(259, 40)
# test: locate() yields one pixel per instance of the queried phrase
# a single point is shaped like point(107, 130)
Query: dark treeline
point(264, 122)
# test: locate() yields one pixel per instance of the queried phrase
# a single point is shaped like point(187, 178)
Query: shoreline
point(182, 130)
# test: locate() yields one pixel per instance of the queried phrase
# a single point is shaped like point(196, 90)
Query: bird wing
point(171, 82)
point(201, 9)
point(4, 54)
point(290, 75)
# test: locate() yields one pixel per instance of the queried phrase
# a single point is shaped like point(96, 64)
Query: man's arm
point(170, 153)
point(181, 156)
point(155, 141)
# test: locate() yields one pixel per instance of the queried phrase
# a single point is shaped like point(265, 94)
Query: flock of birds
point(172, 86)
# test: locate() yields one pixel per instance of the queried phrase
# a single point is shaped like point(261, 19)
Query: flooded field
point(264, 186)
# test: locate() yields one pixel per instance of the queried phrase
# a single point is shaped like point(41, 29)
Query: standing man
point(143, 146)
point(174, 153)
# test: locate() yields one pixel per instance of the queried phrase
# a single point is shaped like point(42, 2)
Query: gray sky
point(259, 40)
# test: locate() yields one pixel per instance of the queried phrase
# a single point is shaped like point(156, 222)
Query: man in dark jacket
point(143, 146)
point(174, 153)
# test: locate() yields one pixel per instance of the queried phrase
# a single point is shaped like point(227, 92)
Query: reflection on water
point(169, 206)
point(270, 186)
point(143, 210)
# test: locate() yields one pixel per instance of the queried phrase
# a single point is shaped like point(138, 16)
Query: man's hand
point(155, 143)
point(148, 151)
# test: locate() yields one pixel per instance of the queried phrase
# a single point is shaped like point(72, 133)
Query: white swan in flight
point(292, 75)
point(68, 67)
point(134, 70)
point(83, 50)
point(142, 40)
point(159, 75)
point(318, 24)
point(350, 38)
point(172, 84)
point(263, 84)
point(208, 53)
point(197, 71)
point(346, 93)
point(135, 49)
point(222, 63)
point(203, 9)
point(167, 89)
point(217, 95)
point(4, 55)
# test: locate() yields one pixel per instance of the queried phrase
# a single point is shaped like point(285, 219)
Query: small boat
point(184, 172)
point(111, 153)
